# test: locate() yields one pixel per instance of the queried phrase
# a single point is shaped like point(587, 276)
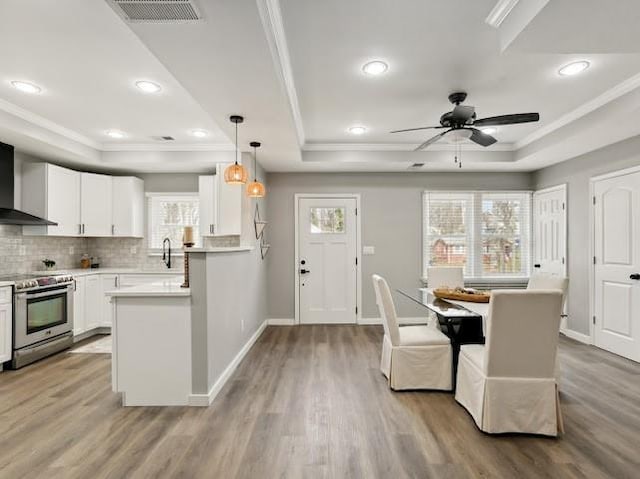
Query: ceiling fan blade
point(462, 113)
point(507, 119)
point(481, 138)
point(431, 140)
point(416, 129)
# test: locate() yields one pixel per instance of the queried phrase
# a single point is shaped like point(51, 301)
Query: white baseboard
point(281, 322)
point(365, 321)
point(207, 399)
point(582, 338)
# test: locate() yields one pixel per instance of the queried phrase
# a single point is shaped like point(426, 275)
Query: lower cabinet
point(6, 323)
point(109, 283)
point(91, 308)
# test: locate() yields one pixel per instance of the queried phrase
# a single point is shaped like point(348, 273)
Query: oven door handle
point(54, 292)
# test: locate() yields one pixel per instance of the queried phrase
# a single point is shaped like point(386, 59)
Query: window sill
point(516, 282)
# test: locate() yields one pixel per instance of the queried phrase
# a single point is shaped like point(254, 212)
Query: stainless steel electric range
point(42, 317)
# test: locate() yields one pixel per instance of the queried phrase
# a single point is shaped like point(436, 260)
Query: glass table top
point(442, 307)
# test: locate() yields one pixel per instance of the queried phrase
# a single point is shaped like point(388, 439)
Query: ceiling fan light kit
point(236, 174)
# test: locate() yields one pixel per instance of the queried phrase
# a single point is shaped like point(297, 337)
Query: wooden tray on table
point(456, 294)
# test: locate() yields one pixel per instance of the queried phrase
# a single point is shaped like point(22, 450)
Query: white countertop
point(222, 249)
point(90, 271)
point(7, 283)
point(168, 287)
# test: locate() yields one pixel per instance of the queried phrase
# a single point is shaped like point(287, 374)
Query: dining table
point(462, 321)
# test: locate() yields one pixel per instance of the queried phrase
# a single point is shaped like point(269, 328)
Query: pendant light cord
point(255, 170)
point(236, 143)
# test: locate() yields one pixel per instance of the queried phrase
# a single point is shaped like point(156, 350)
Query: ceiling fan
point(462, 122)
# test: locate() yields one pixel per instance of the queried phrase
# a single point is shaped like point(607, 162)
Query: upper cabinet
point(128, 206)
point(83, 204)
point(52, 192)
point(220, 205)
point(95, 205)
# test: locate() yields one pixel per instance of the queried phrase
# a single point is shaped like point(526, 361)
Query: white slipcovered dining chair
point(551, 281)
point(508, 384)
point(413, 357)
point(439, 276)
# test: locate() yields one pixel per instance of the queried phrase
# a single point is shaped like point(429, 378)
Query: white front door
point(617, 265)
point(550, 230)
point(327, 265)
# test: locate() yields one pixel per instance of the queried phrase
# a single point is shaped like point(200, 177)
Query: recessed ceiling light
point(148, 86)
point(199, 133)
point(357, 130)
point(489, 130)
point(117, 134)
point(574, 68)
point(26, 87)
point(375, 67)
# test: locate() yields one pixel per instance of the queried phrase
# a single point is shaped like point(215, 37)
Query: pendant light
point(236, 174)
point(255, 189)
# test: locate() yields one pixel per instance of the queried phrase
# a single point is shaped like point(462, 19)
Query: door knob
point(635, 276)
point(304, 271)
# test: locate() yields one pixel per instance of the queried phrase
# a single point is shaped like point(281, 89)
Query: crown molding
point(37, 120)
point(271, 17)
point(500, 12)
point(400, 147)
point(214, 147)
point(608, 96)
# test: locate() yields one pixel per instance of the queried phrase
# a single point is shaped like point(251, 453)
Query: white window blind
point(168, 214)
point(486, 233)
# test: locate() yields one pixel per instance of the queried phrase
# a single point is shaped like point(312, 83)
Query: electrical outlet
point(134, 250)
point(72, 250)
point(368, 250)
point(23, 250)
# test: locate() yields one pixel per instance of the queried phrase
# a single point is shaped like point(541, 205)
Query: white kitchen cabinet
point(208, 211)
point(93, 302)
point(128, 206)
point(220, 205)
point(79, 323)
point(109, 282)
point(96, 209)
point(6, 323)
point(51, 192)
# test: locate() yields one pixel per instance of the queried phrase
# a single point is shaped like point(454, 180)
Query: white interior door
point(327, 265)
point(550, 230)
point(617, 265)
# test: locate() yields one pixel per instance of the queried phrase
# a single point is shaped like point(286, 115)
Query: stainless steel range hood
point(8, 214)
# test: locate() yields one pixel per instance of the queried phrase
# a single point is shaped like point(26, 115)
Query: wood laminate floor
point(309, 401)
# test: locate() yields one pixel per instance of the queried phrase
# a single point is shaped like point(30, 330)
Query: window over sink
point(168, 214)
point(486, 233)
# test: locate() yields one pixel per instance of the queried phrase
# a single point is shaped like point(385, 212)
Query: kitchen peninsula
point(177, 346)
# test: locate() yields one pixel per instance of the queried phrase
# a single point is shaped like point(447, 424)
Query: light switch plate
point(368, 250)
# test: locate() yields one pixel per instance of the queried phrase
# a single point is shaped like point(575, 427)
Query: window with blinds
point(168, 214)
point(486, 233)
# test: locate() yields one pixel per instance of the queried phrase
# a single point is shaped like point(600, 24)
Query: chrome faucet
point(166, 253)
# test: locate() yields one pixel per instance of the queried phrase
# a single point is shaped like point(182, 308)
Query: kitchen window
point(486, 233)
point(168, 214)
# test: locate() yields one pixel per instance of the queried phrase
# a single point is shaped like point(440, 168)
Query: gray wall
point(229, 298)
point(576, 173)
point(391, 215)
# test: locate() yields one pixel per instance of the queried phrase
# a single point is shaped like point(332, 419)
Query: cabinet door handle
point(213, 229)
point(113, 230)
point(79, 228)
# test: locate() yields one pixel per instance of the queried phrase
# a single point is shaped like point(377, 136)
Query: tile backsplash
point(23, 254)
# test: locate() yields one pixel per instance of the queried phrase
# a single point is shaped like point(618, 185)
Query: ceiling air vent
point(156, 11)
